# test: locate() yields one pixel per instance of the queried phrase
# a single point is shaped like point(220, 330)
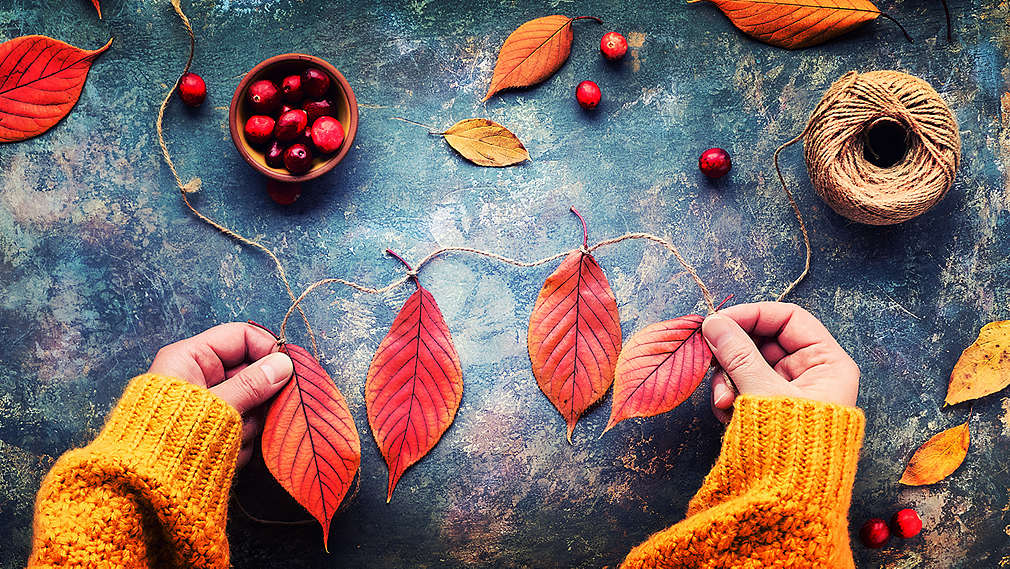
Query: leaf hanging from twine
point(98, 7)
point(414, 383)
point(574, 335)
point(984, 367)
point(40, 81)
point(795, 24)
point(486, 143)
point(310, 443)
point(659, 368)
point(938, 458)
point(533, 52)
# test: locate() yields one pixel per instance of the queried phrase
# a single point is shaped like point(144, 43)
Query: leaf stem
point(431, 130)
point(946, 10)
point(598, 21)
point(267, 330)
point(585, 229)
point(410, 272)
point(723, 302)
point(900, 27)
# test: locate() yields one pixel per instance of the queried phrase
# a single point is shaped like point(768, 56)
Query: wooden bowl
point(275, 69)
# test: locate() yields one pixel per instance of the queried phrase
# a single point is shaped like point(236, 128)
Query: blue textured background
point(101, 265)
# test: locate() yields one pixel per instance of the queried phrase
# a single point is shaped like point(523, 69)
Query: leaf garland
point(40, 81)
point(486, 143)
point(984, 366)
point(938, 458)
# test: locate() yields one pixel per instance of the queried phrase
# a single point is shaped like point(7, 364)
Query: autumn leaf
point(938, 458)
point(40, 81)
point(310, 443)
point(659, 368)
point(486, 143)
point(98, 6)
point(533, 52)
point(795, 24)
point(574, 335)
point(984, 367)
point(414, 384)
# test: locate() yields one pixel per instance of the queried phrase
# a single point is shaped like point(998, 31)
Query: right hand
point(777, 349)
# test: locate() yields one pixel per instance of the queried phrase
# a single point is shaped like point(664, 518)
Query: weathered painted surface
point(100, 264)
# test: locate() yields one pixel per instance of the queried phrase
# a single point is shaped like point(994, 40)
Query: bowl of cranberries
point(293, 117)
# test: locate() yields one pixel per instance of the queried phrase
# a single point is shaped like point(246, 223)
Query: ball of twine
point(835, 147)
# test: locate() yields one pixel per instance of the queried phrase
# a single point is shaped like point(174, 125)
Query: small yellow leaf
point(486, 143)
point(984, 367)
point(938, 458)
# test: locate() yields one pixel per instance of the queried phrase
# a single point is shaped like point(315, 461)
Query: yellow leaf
point(984, 367)
point(938, 458)
point(486, 143)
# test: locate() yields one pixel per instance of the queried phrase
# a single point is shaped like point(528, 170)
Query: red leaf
point(575, 336)
point(310, 442)
point(98, 6)
point(659, 368)
point(414, 385)
point(40, 81)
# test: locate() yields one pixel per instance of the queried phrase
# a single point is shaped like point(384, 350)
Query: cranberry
point(327, 134)
point(588, 95)
point(316, 109)
point(315, 83)
point(192, 89)
point(275, 155)
point(263, 97)
point(284, 193)
point(613, 46)
point(305, 137)
point(292, 88)
point(285, 108)
point(259, 129)
point(714, 163)
point(906, 523)
point(298, 159)
point(874, 533)
point(290, 125)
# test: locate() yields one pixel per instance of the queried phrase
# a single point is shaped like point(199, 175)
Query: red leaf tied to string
point(414, 384)
point(310, 443)
point(575, 335)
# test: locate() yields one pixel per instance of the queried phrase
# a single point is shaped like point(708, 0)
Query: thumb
point(255, 384)
point(739, 356)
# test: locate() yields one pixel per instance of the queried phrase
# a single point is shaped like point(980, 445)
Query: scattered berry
point(315, 83)
point(290, 125)
point(292, 88)
point(327, 134)
point(906, 523)
point(714, 163)
point(285, 108)
point(259, 129)
point(284, 193)
point(874, 533)
point(588, 95)
point(263, 97)
point(305, 137)
point(613, 46)
point(316, 109)
point(275, 155)
point(298, 159)
point(192, 89)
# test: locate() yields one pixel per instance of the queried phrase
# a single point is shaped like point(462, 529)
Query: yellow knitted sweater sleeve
point(150, 491)
point(778, 495)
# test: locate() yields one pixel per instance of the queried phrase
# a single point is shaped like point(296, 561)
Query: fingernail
point(277, 367)
point(717, 329)
point(721, 395)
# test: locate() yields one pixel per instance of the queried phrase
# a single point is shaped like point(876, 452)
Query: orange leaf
point(532, 53)
point(794, 24)
point(98, 6)
point(40, 81)
point(310, 443)
point(414, 385)
point(938, 458)
point(984, 367)
point(659, 368)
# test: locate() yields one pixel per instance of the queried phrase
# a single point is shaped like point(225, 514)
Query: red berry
point(285, 108)
point(714, 163)
point(259, 129)
point(316, 109)
point(327, 134)
point(284, 193)
point(906, 523)
point(588, 95)
point(613, 46)
point(192, 89)
point(298, 159)
point(290, 125)
point(315, 83)
point(275, 155)
point(292, 88)
point(874, 533)
point(263, 97)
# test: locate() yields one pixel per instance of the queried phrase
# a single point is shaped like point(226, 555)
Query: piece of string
point(194, 184)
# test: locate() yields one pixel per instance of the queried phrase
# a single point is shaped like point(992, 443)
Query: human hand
point(237, 362)
point(774, 348)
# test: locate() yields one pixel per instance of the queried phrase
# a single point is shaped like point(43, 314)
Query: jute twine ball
point(835, 147)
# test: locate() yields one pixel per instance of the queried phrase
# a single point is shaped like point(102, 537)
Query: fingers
point(793, 327)
point(204, 358)
point(255, 384)
point(723, 396)
point(739, 356)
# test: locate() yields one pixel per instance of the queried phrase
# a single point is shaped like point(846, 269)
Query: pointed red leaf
point(414, 385)
point(575, 336)
point(40, 81)
point(659, 368)
point(310, 442)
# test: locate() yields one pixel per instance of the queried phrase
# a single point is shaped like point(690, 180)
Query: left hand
point(239, 363)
